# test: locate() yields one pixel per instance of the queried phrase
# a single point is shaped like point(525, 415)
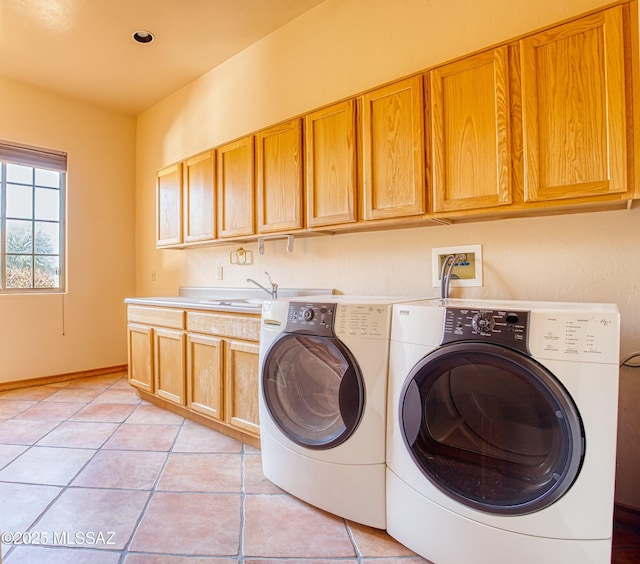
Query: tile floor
point(92, 474)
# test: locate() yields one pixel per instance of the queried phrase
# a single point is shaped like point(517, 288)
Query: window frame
point(43, 159)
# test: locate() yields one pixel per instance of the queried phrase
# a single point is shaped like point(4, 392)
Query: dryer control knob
point(483, 323)
point(307, 314)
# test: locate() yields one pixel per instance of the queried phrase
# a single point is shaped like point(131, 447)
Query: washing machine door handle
point(351, 398)
point(411, 413)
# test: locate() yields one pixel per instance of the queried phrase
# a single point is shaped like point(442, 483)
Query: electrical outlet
point(219, 273)
point(467, 272)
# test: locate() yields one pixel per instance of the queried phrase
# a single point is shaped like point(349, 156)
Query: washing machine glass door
point(313, 389)
point(491, 427)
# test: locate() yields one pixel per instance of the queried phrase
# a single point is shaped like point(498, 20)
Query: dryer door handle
point(411, 413)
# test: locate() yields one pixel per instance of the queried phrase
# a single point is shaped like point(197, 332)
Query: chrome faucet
point(274, 287)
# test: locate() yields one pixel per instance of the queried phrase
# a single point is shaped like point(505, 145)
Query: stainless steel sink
point(248, 303)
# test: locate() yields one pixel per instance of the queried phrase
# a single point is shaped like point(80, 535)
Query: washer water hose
point(445, 273)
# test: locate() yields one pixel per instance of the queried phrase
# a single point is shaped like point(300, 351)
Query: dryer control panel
point(311, 318)
point(502, 327)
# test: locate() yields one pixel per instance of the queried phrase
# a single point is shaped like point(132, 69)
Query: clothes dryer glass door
point(313, 389)
point(491, 428)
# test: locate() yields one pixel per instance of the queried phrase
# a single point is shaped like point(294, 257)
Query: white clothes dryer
point(323, 397)
point(502, 430)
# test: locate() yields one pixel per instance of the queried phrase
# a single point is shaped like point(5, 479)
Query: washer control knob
point(307, 314)
point(483, 323)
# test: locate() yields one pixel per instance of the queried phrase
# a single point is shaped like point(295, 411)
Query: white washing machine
point(323, 397)
point(501, 441)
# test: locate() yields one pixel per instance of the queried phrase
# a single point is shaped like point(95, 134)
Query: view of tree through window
point(31, 224)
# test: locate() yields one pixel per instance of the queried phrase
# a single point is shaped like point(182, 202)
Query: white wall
point(83, 329)
point(343, 47)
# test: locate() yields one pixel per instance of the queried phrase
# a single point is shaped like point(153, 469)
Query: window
point(32, 190)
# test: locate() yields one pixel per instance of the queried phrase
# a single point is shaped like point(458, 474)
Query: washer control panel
point(502, 327)
point(311, 318)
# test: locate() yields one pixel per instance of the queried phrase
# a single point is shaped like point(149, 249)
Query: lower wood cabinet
point(169, 364)
point(204, 362)
point(140, 356)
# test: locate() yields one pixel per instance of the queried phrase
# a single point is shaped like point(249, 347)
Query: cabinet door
point(169, 365)
point(169, 206)
point(140, 353)
point(279, 172)
point(235, 188)
point(574, 109)
point(330, 159)
point(393, 151)
point(241, 386)
point(199, 201)
point(470, 133)
point(204, 375)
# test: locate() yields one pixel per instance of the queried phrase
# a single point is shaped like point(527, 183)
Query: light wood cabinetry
point(542, 124)
point(236, 188)
point(157, 351)
point(228, 345)
point(331, 165)
point(204, 362)
point(393, 178)
point(205, 365)
point(575, 109)
point(470, 133)
point(241, 384)
point(169, 206)
point(279, 177)
point(169, 364)
point(140, 356)
point(199, 207)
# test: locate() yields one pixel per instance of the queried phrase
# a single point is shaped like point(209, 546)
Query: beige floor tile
point(298, 531)
point(46, 465)
point(22, 504)
point(24, 432)
point(41, 555)
point(254, 480)
point(9, 453)
point(113, 514)
point(35, 393)
point(154, 415)
point(216, 473)
point(104, 381)
point(120, 469)
point(11, 408)
point(74, 394)
point(51, 411)
point(305, 561)
point(79, 434)
point(121, 383)
point(118, 396)
point(162, 559)
point(143, 437)
point(198, 438)
point(196, 524)
point(376, 543)
point(104, 412)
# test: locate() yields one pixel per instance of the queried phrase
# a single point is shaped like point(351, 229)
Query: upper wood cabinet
point(199, 198)
point(279, 177)
point(393, 179)
point(235, 188)
point(470, 133)
point(575, 109)
point(169, 206)
point(331, 165)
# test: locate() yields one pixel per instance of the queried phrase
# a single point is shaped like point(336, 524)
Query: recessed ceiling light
point(143, 36)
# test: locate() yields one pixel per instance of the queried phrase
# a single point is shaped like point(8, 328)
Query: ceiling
point(84, 48)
